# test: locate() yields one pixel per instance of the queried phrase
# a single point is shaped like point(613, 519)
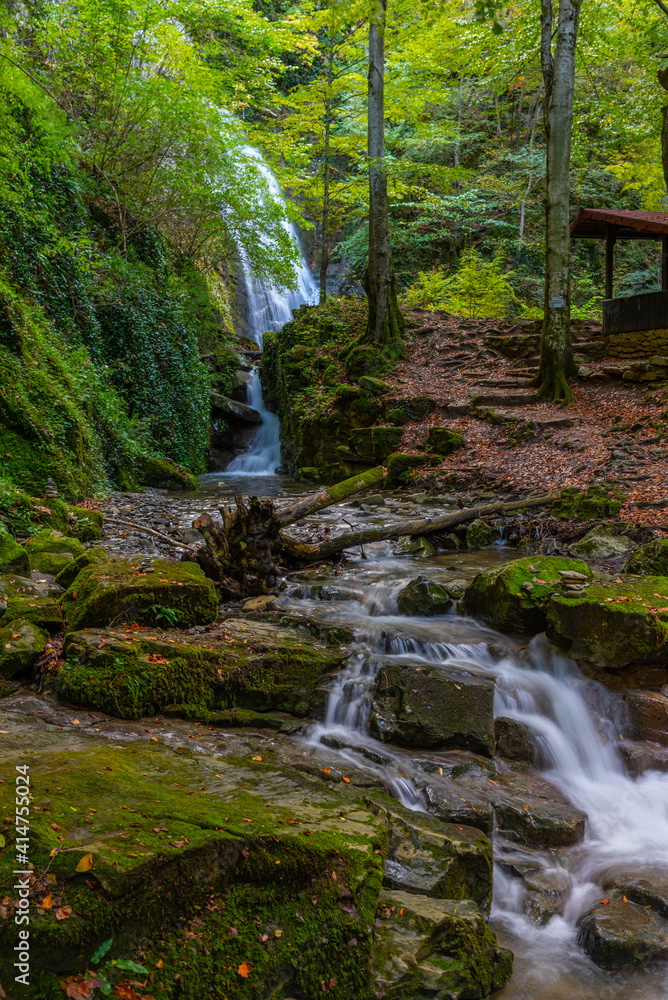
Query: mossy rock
point(50, 551)
point(398, 464)
point(118, 591)
point(595, 502)
point(364, 412)
point(480, 534)
point(347, 393)
point(614, 624)
point(88, 557)
point(423, 597)
point(385, 441)
point(513, 597)
point(443, 440)
point(243, 846)
point(308, 475)
point(249, 665)
point(43, 612)
point(375, 386)
point(13, 557)
point(436, 948)
point(361, 360)
point(602, 542)
point(23, 513)
point(163, 474)
point(86, 524)
point(650, 559)
point(8, 688)
point(21, 645)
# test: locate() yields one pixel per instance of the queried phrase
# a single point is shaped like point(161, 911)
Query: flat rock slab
point(538, 822)
point(616, 933)
point(646, 889)
point(121, 591)
point(641, 756)
point(238, 412)
point(616, 624)
point(428, 948)
point(504, 399)
point(647, 716)
point(424, 705)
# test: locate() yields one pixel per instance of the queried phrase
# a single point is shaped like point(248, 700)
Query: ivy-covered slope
point(100, 374)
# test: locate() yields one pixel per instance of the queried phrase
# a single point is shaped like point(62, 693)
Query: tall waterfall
point(269, 308)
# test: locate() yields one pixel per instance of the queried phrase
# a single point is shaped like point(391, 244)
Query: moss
point(85, 524)
point(479, 534)
point(309, 475)
point(399, 464)
point(118, 591)
point(513, 597)
point(68, 575)
point(152, 470)
point(650, 559)
point(614, 624)
point(385, 441)
point(13, 557)
point(44, 612)
point(251, 667)
point(50, 551)
point(21, 645)
point(444, 441)
point(374, 385)
point(364, 412)
point(347, 393)
point(361, 360)
point(596, 502)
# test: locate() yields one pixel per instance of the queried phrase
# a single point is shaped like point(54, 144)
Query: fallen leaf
point(278, 933)
point(256, 758)
point(85, 864)
point(325, 770)
point(47, 902)
point(244, 969)
point(605, 901)
point(63, 912)
point(347, 780)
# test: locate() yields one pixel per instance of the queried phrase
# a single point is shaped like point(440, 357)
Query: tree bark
point(556, 356)
point(324, 243)
point(332, 494)
point(385, 323)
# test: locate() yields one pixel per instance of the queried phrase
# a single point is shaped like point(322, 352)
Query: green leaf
point(102, 951)
point(128, 966)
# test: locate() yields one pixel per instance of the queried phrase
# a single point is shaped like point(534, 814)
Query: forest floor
point(612, 434)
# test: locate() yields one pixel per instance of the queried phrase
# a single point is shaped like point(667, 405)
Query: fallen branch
point(332, 494)
point(151, 531)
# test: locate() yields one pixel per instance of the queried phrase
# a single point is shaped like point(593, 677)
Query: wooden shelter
point(629, 313)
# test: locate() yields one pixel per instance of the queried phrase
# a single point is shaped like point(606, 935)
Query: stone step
point(504, 399)
point(504, 383)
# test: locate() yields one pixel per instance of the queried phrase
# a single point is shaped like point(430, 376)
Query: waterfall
point(269, 308)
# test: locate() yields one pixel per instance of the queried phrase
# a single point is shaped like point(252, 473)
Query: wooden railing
point(629, 313)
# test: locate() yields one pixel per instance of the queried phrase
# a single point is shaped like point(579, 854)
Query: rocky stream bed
point(383, 779)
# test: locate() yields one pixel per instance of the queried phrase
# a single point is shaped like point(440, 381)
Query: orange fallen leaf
point(85, 864)
point(244, 969)
point(347, 780)
point(63, 912)
point(154, 739)
point(256, 758)
point(325, 770)
point(625, 899)
point(47, 902)
point(605, 901)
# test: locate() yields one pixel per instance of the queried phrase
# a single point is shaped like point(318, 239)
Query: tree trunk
point(324, 244)
point(385, 323)
point(556, 357)
point(331, 494)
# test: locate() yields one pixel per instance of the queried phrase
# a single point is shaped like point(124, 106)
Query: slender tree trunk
point(556, 357)
point(532, 116)
point(385, 324)
point(324, 245)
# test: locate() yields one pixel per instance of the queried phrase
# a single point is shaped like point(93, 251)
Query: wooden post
point(664, 263)
point(609, 259)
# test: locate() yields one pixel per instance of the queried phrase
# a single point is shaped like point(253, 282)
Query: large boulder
point(512, 597)
point(244, 665)
point(650, 559)
point(423, 597)
point(174, 593)
point(40, 610)
point(435, 949)
point(13, 557)
point(424, 705)
point(233, 410)
point(50, 551)
point(88, 557)
point(614, 624)
point(618, 932)
point(601, 543)
point(21, 645)
point(647, 716)
point(537, 822)
point(432, 858)
point(480, 534)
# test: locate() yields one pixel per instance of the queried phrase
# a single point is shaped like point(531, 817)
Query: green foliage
point(477, 288)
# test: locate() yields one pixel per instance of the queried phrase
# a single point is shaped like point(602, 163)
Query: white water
point(269, 308)
point(577, 724)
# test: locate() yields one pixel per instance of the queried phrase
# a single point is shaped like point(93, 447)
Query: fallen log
point(332, 494)
point(312, 551)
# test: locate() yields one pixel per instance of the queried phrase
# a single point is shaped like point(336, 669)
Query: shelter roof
point(592, 223)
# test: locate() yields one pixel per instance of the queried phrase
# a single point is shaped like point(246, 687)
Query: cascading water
point(269, 308)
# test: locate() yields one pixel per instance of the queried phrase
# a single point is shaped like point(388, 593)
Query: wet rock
point(424, 705)
point(649, 889)
point(650, 559)
point(423, 597)
point(643, 756)
point(21, 645)
point(513, 596)
point(547, 892)
point(514, 740)
point(68, 575)
point(538, 822)
point(244, 665)
point(613, 624)
point(601, 543)
point(50, 551)
point(429, 949)
point(233, 410)
point(454, 803)
point(260, 603)
point(8, 688)
point(647, 716)
point(618, 933)
point(13, 557)
point(43, 612)
point(432, 858)
point(177, 593)
point(418, 546)
point(479, 534)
